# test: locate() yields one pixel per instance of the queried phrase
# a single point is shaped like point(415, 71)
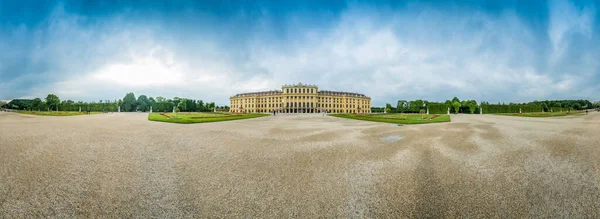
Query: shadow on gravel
point(431, 202)
point(392, 138)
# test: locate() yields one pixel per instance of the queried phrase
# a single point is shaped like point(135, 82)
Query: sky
point(495, 51)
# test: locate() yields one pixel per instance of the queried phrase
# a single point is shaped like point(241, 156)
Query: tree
point(36, 104)
point(143, 103)
point(52, 101)
point(200, 107)
point(43, 106)
point(160, 99)
point(416, 106)
point(402, 106)
point(190, 105)
point(545, 107)
point(456, 105)
point(182, 106)
point(388, 108)
point(455, 99)
point(129, 102)
point(471, 105)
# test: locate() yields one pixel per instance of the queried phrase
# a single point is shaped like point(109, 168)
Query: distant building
point(300, 98)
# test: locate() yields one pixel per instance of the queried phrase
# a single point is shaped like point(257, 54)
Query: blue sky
point(496, 51)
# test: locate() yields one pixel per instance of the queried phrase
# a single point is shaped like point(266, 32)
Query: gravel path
point(305, 166)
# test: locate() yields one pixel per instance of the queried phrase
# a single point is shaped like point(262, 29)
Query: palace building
point(300, 98)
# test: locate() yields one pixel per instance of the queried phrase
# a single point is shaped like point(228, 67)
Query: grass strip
point(190, 118)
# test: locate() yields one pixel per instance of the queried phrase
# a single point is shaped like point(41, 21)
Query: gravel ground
point(305, 166)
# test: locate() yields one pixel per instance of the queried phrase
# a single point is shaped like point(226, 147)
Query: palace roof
point(260, 93)
point(338, 93)
point(322, 92)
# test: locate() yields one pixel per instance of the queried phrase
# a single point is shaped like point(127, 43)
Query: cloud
point(566, 20)
point(388, 53)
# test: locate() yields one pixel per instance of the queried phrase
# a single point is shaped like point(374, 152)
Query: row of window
point(278, 99)
point(298, 105)
point(300, 90)
point(256, 100)
point(329, 111)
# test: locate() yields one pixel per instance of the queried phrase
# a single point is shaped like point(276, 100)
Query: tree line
point(129, 103)
point(455, 105)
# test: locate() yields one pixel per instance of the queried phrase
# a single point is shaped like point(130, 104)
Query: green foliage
point(143, 104)
point(36, 104)
point(471, 105)
point(52, 101)
point(129, 103)
point(19, 104)
point(377, 109)
point(511, 108)
point(537, 106)
point(544, 107)
point(43, 106)
point(388, 108)
point(416, 106)
point(395, 118)
point(402, 106)
point(456, 105)
point(188, 118)
point(455, 99)
point(437, 108)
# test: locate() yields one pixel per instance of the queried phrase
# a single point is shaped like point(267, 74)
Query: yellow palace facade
point(300, 98)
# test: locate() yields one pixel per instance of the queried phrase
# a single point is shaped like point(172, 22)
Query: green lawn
point(545, 114)
point(396, 118)
point(188, 118)
point(54, 113)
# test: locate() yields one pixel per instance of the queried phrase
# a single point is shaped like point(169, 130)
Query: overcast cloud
point(508, 51)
